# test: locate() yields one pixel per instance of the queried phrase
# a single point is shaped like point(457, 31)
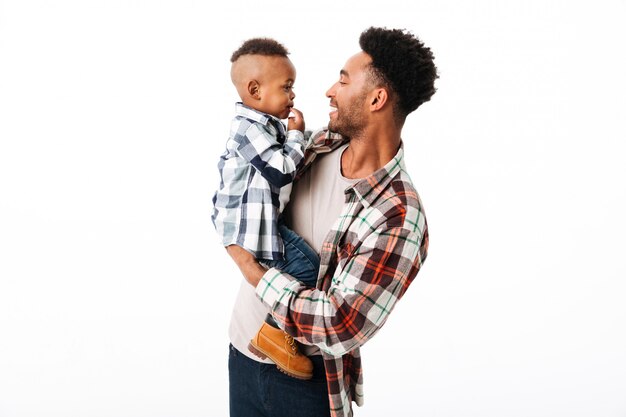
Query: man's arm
point(359, 300)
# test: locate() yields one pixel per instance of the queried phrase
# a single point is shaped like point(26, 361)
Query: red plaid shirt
point(368, 260)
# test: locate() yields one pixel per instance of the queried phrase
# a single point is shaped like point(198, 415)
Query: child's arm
point(275, 162)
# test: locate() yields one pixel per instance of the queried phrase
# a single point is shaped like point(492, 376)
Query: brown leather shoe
point(277, 345)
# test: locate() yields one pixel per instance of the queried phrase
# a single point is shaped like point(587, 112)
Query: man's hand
point(295, 121)
point(251, 269)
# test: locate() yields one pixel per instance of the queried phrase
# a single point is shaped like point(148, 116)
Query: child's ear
point(254, 89)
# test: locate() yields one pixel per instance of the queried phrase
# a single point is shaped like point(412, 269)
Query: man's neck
point(369, 152)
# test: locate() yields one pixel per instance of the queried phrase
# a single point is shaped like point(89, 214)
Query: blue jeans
point(261, 390)
point(300, 260)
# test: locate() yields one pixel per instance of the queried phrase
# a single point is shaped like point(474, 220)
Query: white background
point(115, 294)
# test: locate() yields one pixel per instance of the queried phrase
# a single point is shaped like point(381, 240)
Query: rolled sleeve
point(274, 285)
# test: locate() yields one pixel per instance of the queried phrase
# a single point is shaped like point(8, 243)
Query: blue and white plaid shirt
point(257, 170)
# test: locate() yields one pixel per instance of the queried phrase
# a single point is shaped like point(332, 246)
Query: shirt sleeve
point(275, 162)
point(362, 294)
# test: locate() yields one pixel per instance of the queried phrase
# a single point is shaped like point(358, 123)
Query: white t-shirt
point(316, 202)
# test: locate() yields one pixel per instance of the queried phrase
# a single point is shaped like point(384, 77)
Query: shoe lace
point(291, 342)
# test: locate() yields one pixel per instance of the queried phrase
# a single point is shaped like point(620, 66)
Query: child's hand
point(295, 121)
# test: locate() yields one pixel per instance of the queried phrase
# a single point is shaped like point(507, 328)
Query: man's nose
point(331, 91)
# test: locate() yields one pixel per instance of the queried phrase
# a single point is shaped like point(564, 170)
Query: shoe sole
point(263, 355)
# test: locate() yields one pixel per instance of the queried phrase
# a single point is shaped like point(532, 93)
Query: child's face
point(276, 89)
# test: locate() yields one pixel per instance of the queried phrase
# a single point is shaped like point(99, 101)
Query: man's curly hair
point(260, 46)
point(401, 63)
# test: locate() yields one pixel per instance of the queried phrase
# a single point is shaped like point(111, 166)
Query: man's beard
point(350, 120)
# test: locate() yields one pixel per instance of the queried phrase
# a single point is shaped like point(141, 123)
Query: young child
point(257, 169)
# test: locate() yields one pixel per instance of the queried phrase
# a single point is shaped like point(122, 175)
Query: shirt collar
point(254, 115)
point(369, 188)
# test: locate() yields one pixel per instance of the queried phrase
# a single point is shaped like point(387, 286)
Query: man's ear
point(254, 89)
point(378, 99)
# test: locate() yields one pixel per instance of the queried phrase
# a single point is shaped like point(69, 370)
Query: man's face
point(348, 96)
point(276, 88)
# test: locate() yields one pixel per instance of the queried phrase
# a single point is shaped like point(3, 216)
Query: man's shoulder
point(402, 187)
point(400, 203)
point(319, 142)
point(323, 140)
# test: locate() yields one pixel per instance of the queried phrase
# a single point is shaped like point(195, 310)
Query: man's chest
point(318, 199)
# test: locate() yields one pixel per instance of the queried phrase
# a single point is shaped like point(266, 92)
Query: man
point(357, 206)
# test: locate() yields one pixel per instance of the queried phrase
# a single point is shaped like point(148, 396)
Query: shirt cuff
point(296, 135)
point(274, 285)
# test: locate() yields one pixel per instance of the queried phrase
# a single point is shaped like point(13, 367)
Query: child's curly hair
point(260, 46)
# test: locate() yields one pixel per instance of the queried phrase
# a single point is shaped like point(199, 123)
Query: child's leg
point(300, 261)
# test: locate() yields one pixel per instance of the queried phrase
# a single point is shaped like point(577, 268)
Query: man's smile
point(333, 110)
